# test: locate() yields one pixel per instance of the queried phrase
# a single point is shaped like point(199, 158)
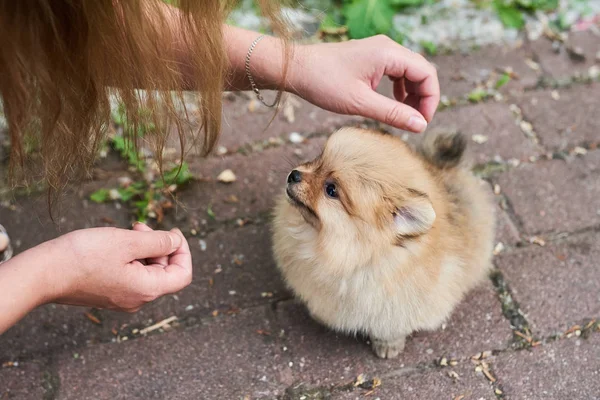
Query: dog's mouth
point(293, 199)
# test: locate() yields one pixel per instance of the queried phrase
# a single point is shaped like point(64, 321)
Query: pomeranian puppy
point(378, 239)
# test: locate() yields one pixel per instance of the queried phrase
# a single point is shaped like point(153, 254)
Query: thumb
point(392, 112)
point(150, 244)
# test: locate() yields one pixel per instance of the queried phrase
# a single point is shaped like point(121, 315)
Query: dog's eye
point(331, 190)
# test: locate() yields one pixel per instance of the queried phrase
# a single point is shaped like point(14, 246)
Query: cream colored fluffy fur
point(408, 235)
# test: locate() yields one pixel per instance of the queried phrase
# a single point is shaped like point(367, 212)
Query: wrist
point(48, 282)
point(24, 284)
point(267, 61)
point(295, 81)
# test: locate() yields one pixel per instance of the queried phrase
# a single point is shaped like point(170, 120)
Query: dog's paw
point(388, 348)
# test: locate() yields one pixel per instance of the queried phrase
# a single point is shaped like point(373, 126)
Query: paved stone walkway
point(530, 332)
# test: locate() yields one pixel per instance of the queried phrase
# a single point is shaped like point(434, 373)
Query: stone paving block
point(235, 271)
point(558, 64)
point(23, 382)
point(555, 195)
point(322, 357)
point(260, 179)
point(240, 126)
point(564, 369)
point(556, 285)
point(436, 383)
point(459, 74)
point(566, 122)
point(492, 122)
point(225, 359)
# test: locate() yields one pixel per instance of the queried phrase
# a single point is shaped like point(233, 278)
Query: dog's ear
point(413, 215)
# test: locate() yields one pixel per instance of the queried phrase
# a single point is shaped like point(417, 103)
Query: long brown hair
point(58, 59)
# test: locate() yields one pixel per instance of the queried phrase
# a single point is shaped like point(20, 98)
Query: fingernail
point(416, 123)
point(176, 241)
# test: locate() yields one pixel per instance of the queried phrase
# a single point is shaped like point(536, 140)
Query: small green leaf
point(503, 80)
point(368, 18)
point(509, 15)
point(176, 175)
point(138, 185)
point(406, 3)
point(430, 48)
point(210, 212)
point(533, 5)
point(477, 95)
point(119, 143)
point(128, 193)
point(100, 196)
point(128, 152)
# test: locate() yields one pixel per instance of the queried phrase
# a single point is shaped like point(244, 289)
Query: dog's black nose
point(295, 177)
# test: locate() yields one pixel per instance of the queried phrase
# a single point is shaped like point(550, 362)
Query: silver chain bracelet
point(251, 79)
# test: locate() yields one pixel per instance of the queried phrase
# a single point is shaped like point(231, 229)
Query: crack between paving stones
point(507, 206)
point(548, 82)
point(301, 390)
point(50, 379)
point(558, 237)
point(549, 238)
point(512, 312)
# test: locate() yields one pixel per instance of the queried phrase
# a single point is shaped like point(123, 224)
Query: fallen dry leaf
point(9, 364)
point(573, 329)
point(233, 310)
point(108, 220)
point(489, 375)
point(232, 199)
point(579, 151)
point(527, 338)
point(532, 64)
point(526, 127)
point(499, 248)
point(92, 318)
point(537, 240)
point(227, 176)
point(359, 380)
point(222, 150)
point(479, 139)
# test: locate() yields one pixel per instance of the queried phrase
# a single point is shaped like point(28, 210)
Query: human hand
point(118, 269)
point(343, 77)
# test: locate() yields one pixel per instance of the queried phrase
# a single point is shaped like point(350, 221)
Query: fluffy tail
point(444, 150)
